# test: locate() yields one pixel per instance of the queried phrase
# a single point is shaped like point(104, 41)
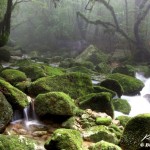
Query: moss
point(103, 68)
point(23, 62)
point(66, 139)
point(112, 85)
point(98, 133)
point(13, 76)
point(123, 120)
point(121, 105)
point(135, 130)
point(99, 89)
point(35, 71)
point(103, 145)
point(16, 98)
point(100, 102)
point(55, 103)
point(131, 85)
point(8, 142)
point(73, 84)
point(3, 39)
point(103, 121)
point(23, 86)
point(6, 112)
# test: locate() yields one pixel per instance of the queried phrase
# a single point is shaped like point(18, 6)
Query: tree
point(141, 52)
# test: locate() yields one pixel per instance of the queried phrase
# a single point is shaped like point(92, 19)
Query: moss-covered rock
point(127, 70)
point(103, 68)
point(98, 133)
point(112, 85)
point(103, 121)
point(136, 133)
point(6, 112)
point(35, 71)
point(8, 142)
point(15, 97)
point(73, 84)
point(23, 86)
point(121, 105)
point(100, 102)
point(103, 145)
point(64, 139)
point(54, 103)
point(123, 120)
point(13, 76)
point(4, 54)
point(131, 85)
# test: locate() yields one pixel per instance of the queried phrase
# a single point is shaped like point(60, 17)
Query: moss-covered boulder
point(73, 84)
point(123, 120)
point(103, 145)
point(64, 139)
point(121, 105)
point(23, 86)
point(127, 70)
point(99, 102)
point(112, 85)
point(131, 85)
point(8, 142)
point(6, 112)
point(98, 133)
point(55, 103)
point(136, 133)
point(4, 54)
point(15, 97)
point(104, 120)
point(35, 71)
point(103, 67)
point(13, 76)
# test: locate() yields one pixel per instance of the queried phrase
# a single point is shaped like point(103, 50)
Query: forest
point(74, 74)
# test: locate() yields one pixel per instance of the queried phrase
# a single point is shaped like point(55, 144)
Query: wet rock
point(39, 133)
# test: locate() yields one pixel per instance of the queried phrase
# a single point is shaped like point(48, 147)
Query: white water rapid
point(139, 103)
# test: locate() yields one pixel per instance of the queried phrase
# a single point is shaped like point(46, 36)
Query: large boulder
point(15, 97)
point(121, 105)
point(13, 76)
point(73, 84)
point(64, 139)
point(55, 103)
point(99, 102)
point(136, 133)
point(103, 145)
point(9, 142)
point(131, 85)
point(6, 112)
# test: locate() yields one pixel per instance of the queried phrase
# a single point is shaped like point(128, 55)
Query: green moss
point(103, 121)
point(98, 133)
point(131, 85)
point(8, 142)
point(121, 105)
point(135, 130)
point(16, 98)
point(3, 39)
point(23, 86)
point(103, 145)
point(103, 68)
point(112, 85)
point(13, 76)
point(6, 112)
point(55, 103)
point(73, 84)
point(64, 139)
point(100, 102)
point(123, 120)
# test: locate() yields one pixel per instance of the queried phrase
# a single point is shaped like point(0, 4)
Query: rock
point(131, 85)
point(6, 112)
point(127, 70)
point(103, 67)
point(35, 71)
point(55, 103)
point(103, 145)
point(136, 133)
point(123, 120)
point(112, 85)
point(39, 133)
point(103, 120)
point(15, 97)
point(4, 54)
point(98, 133)
point(73, 84)
point(8, 142)
point(121, 105)
point(13, 76)
point(99, 102)
point(66, 139)
point(23, 86)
